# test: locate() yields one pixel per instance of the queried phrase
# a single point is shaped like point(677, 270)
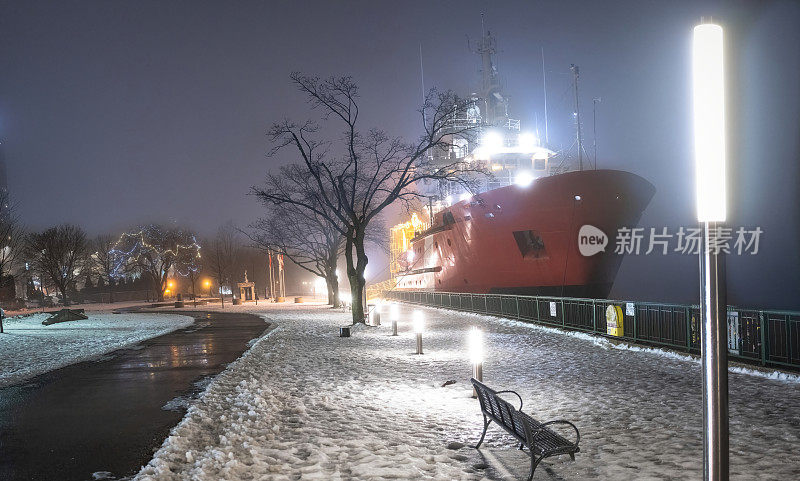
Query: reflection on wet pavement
point(107, 414)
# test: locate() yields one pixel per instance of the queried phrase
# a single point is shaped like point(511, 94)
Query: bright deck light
point(419, 321)
point(464, 196)
point(492, 142)
point(476, 345)
point(394, 311)
point(527, 142)
point(448, 200)
point(523, 179)
point(709, 122)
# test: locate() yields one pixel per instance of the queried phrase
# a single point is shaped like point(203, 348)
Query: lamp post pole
point(714, 318)
point(709, 134)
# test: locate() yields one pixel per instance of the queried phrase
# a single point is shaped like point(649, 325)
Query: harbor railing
point(767, 337)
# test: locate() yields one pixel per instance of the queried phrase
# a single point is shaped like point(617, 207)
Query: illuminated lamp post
point(709, 133)
point(394, 314)
point(419, 326)
point(476, 355)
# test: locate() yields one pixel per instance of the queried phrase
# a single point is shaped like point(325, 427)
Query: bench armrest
point(561, 421)
point(514, 393)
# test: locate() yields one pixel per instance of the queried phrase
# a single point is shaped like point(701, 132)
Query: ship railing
point(760, 336)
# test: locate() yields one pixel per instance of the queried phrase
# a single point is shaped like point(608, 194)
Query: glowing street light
point(476, 355)
point(394, 314)
point(207, 283)
point(709, 133)
point(418, 319)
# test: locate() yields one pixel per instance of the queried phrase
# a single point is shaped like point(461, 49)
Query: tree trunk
point(357, 308)
point(332, 282)
point(355, 272)
point(63, 290)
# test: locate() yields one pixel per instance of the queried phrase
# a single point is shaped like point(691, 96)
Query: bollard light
point(475, 341)
point(476, 346)
point(394, 314)
point(709, 151)
point(418, 319)
point(376, 315)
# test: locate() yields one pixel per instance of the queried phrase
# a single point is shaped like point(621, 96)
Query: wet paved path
point(107, 415)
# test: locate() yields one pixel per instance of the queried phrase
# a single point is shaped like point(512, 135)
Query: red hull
point(525, 239)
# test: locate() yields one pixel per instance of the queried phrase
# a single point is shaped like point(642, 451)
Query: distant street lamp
point(709, 134)
point(207, 283)
point(419, 326)
point(476, 355)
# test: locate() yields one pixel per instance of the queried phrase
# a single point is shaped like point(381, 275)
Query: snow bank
point(303, 403)
point(28, 348)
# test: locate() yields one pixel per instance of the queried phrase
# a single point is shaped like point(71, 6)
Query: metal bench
point(541, 441)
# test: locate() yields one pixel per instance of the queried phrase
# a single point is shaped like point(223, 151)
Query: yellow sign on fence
point(614, 320)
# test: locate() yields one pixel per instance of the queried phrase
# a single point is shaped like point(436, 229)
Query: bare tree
point(12, 239)
point(222, 253)
point(367, 172)
point(58, 253)
point(158, 251)
point(105, 261)
point(305, 239)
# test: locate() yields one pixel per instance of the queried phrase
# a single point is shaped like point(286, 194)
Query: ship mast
point(491, 90)
point(575, 75)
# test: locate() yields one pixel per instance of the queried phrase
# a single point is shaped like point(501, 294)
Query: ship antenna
point(544, 87)
point(575, 74)
point(595, 101)
point(421, 73)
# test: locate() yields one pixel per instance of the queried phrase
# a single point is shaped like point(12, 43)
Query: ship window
point(530, 244)
point(448, 219)
point(539, 164)
point(467, 217)
point(489, 215)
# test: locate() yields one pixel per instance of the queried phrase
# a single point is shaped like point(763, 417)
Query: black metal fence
point(767, 337)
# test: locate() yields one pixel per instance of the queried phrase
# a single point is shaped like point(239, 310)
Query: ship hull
point(524, 240)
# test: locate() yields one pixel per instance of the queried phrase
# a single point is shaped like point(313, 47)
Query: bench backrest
point(501, 411)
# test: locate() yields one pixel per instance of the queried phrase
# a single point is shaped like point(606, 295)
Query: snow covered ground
point(306, 404)
point(28, 348)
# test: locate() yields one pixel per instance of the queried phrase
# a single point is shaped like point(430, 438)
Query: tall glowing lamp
point(709, 139)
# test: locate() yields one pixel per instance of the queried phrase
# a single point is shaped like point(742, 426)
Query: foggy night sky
point(116, 113)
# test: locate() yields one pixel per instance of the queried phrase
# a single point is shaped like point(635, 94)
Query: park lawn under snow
point(306, 404)
point(28, 348)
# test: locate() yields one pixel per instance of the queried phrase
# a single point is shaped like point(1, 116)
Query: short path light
point(475, 340)
point(394, 314)
point(419, 326)
point(376, 314)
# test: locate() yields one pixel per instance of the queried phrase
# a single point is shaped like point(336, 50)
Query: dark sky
point(114, 113)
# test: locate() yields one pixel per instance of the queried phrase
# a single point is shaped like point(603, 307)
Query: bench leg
point(534, 463)
point(486, 423)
